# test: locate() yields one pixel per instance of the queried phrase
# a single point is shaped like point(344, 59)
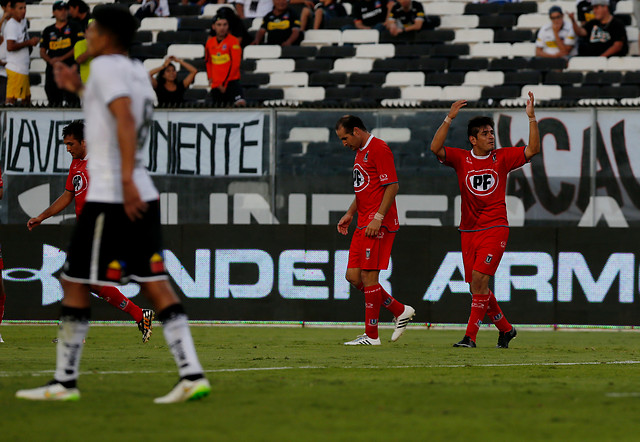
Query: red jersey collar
point(367, 143)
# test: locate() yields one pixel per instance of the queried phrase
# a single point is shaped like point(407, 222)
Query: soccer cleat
point(146, 323)
point(402, 321)
point(186, 390)
point(53, 391)
point(506, 337)
point(1, 340)
point(466, 342)
point(364, 340)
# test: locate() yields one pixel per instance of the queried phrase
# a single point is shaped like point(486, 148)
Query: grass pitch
point(302, 384)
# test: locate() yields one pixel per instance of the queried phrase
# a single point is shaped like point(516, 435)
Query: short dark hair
point(350, 122)
point(80, 4)
point(12, 3)
point(117, 21)
point(478, 122)
point(75, 129)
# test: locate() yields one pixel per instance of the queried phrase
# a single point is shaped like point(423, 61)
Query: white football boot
point(53, 391)
point(402, 321)
point(186, 390)
point(363, 340)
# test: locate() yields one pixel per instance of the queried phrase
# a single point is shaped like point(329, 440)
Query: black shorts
point(230, 96)
point(107, 247)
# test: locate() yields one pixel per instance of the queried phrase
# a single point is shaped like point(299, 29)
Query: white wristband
point(533, 120)
point(447, 119)
point(379, 216)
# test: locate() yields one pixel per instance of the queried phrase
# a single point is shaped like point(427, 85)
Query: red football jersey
point(78, 182)
point(374, 169)
point(483, 184)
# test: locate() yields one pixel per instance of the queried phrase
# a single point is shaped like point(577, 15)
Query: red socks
point(372, 301)
point(479, 305)
point(114, 297)
point(388, 301)
point(3, 297)
point(495, 313)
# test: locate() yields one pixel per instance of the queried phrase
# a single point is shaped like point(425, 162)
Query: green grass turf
point(419, 388)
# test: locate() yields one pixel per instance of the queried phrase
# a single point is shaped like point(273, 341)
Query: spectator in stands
point(156, 8)
point(281, 26)
point(605, 35)
point(223, 55)
point(82, 57)
point(18, 48)
point(326, 10)
point(168, 89)
point(6, 15)
point(57, 45)
point(253, 8)
point(370, 14)
point(555, 39)
point(406, 16)
point(236, 26)
point(79, 13)
point(304, 10)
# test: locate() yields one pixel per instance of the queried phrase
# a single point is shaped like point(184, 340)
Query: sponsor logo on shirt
point(383, 177)
point(482, 182)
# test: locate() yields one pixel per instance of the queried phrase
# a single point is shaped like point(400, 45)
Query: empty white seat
point(541, 91)
point(360, 65)
point(210, 10)
point(39, 11)
point(309, 134)
point(288, 79)
point(38, 24)
point(152, 63)
point(201, 81)
point(134, 8)
point(587, 64)
point(38, 65)
point(404, 79)
point(459, 21)
point(632, 33)
point(261, 51)
point(255, 24)
point(321, 37)
point(348, 7)
point(490, 50)
point(357, 36)
point(473, 36)
point(624, 7)
point(623, 64)
point(392, 134)
point(533, 21)
point(159, 24)
point(187, 51)
point(421, 93)
point(461, 92)
point(484, 78)
point(375, 51)
point(523, 49)
point(304, 93)
point(443, 8)
point(38, 95)
point(270, 65)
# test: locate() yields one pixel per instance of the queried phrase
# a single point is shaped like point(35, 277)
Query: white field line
point(7, 374)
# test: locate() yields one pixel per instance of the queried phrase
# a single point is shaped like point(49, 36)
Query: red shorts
point(370, 253)
point(482, 250)
point(1, 261)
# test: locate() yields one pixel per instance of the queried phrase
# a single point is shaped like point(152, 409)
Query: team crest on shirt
point(78, 183)
point(366, 157)
point(360, 178)
point(482, 182)
point(488, 259)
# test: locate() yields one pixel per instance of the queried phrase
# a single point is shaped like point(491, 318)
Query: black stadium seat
point(520, 8)
point(259, 94)
point(393, 65)
point(173, 37)
point(468, 64)
point(631, 78)
point(327, 79)
point(521, 78)
point(142, 52)
point(372, 79)
point(481, 8)
point(182, 10)
point(508, 64)
point(445, 79)
point(195, 95)
point(382, 93)
point(194, 24)
point(336, 52)
point(248, 65)
point(603, 78)
point(547, 64)
point(512, 35)
point(433, 64)
point(143, 37)
point(439, 36)
point(35, 79)
point(337, 22)
point(298, 52)
point(412, 51)
point(500, 21)
point(199, 37)
point(577, 93)
point(500, 92)
point(627, 91)
point(450, 50)
point(563, 78)
point(343, 93)
point(254, 80)
point(313, 65)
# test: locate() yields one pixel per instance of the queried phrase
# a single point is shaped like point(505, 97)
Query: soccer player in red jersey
point(76, 189)
point(376, 185)
point(484, 228)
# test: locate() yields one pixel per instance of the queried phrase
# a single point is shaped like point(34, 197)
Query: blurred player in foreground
point(118, 235)
point(484, 228)
point(76, 190)
point(376, 185)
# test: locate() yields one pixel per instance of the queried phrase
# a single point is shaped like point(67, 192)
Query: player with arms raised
point(376, 185)
point(118, 235)
point(484, 228)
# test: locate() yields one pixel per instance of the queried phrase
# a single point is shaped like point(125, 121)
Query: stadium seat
point(541, 92)
point(461, 93)
point(491, 50)
point(38, 95)
point(624, 7)
point(261, 94)
point(295, 52)
point(459, 22)
point(422, 93)
point(39, 11)
point(195, 95)
point(521, 78)
point(435, 36)
point(500, 92)
point(392, 65)
point(336, 52)
point(468, 64)
point(404, 79)
point(587, 64)
point(38, 65)
point(483, 78)
point(497, 21)
point(275, 65)
point(523, 49)
point(508, 64)
point(429, 64)
point(618, 92)
point(159, 24)
point(444, 8)
point(250, 65)
point(304, 93)
point(201, 81)
point(374, 79)
point(518, 8)
point(512, 35)
point(444, 78)
point(632, 34)
point(342, 94)
point(38, 24)
point(392, 134)
point(186, 51)
point(326, 79)
point(383, 93)
point(375, 51)
point(149, 64)
point(359, 36)
point(533, 21)
point(412, 51)
point(352, 65)
point(179, 10)
point(623, 64)
point(194, 24)
point(321, 37)
point(261, 51)
point(482, 8)
point(602, 78)
point(313, 65)
point(173, 37)
point(249, 79)
point(450, 50)
point(563, 78)
point(288, 79)
point(309, 135)
point(210, 10)
point(631, 78)
point(142, 52)
point(473, 36)
point(143, 37)
point(546, 64)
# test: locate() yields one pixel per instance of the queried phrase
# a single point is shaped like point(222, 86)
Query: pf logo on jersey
point(482, 182)
point(360, 178)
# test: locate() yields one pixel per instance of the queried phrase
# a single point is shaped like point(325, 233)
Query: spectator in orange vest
point(223, 55)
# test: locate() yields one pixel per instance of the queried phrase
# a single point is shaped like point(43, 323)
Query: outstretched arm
point(437, 144)
point(533, 148)
point(58, 206)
